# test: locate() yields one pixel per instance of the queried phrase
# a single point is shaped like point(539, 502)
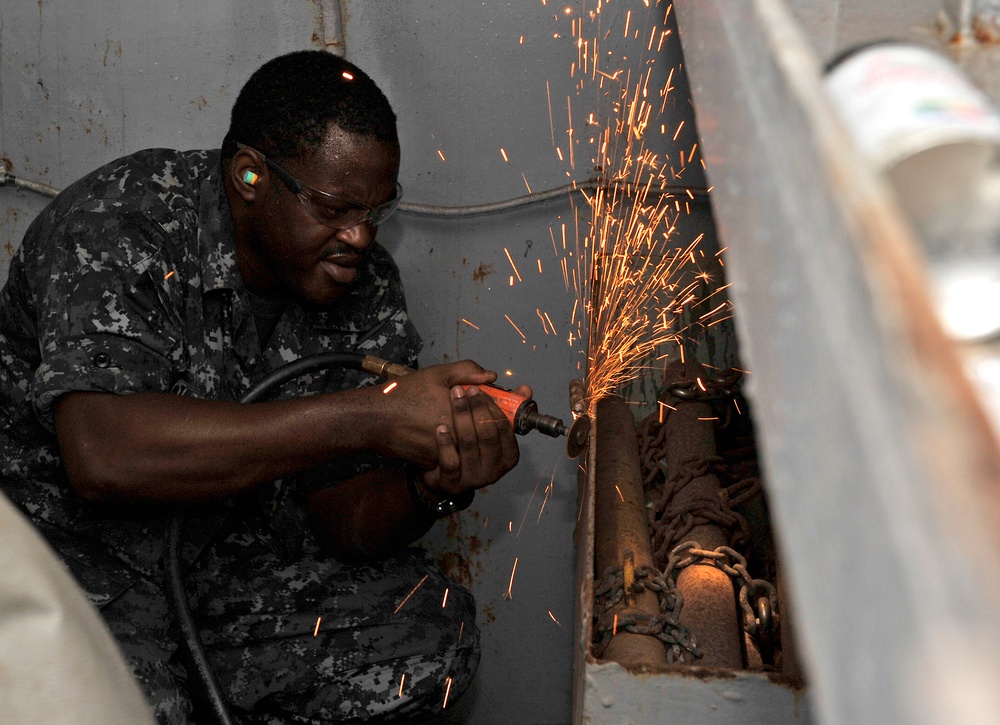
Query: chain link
point(757, 597)
point(723, 384)
point(665, 625)
point(669, 524)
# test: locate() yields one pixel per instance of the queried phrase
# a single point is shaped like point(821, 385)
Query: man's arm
point(374, 513)
point(156, 447)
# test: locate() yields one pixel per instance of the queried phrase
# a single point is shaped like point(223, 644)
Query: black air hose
point(204, 678)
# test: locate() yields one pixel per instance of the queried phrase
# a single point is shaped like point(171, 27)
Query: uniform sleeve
point(108, 317)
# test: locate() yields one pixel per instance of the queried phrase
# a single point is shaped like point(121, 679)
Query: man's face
point(291, 252)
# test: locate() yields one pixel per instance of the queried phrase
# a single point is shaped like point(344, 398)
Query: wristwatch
point(441, 508)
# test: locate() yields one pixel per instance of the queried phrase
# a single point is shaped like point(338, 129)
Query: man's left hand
point(479, 448)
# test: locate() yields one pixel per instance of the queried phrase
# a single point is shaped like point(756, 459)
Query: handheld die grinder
point(520, 411)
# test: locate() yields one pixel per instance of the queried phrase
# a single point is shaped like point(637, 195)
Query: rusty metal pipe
point(709, 610)
point(620, 528)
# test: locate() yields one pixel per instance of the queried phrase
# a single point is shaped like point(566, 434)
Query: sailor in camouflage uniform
point(142, 304)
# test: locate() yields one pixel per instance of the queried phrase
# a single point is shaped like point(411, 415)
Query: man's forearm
point(158, 447)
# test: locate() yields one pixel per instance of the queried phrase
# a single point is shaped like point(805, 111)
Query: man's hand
point(419, 404)
point(474, 446)
point(479, 448)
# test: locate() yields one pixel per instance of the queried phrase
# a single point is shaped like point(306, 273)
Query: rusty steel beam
point(620, 530)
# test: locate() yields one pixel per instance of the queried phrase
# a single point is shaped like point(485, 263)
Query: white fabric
point(58, 662)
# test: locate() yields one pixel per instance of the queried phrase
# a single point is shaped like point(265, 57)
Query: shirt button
point(102, 359)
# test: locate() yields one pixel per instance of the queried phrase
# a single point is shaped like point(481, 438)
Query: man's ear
point(247, 174)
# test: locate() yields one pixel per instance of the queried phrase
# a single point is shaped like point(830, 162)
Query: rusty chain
point(671, 524)
point(757, 597)
point(723, 384)
point(665, 626)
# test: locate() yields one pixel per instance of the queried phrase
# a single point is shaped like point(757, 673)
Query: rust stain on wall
point(11, 217)
point(108, 45)
point(482, 272)
point(463, 561)
point(316, 13)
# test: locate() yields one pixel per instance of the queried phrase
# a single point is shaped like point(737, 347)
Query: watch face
point(445, 507)
point(451, 505)
point(439, 508)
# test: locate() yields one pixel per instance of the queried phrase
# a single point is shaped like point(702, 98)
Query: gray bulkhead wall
point(83, 83)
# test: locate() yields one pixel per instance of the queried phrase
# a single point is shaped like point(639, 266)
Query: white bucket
point(916, 116)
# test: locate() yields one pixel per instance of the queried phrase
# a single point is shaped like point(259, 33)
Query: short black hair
point(287, 105)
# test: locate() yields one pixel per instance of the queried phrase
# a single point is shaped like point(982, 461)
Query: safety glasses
point(329, 209)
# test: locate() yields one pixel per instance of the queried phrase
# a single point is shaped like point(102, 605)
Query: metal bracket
point(974, 20)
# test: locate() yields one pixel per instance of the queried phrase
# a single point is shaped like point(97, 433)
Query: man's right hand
point(421, 404)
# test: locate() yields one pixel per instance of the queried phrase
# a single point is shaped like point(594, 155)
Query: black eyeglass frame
point(356, 213)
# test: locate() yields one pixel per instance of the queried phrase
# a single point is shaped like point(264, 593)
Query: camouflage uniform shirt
point(127, 282)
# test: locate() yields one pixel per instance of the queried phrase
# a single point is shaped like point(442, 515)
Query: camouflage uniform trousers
point(314, 641)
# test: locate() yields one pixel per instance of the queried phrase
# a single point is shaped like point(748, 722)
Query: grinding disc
point(578, 436)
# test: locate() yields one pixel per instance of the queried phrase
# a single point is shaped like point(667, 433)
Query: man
point(142, 305)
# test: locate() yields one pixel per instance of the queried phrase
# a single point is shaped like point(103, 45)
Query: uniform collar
point(215, 232)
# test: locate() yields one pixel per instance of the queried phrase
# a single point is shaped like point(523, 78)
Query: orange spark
point(619, 493)
point(447, 691)
point(444, 601)
point(516, 328)
point(545, 326)
point(402, 679)
point(347, 76)
point(510, 586)
point(407, 597)
point(504, 154)
point(553, 617)
point(389, 388)
point(550, 324)
point(469, 324)
point(441, 154)
point(170, 274)
point(552, 128)
point(514, 266)
point(318, 620)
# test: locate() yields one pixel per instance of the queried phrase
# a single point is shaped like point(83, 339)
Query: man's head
point(310, 160)
point(287, 105)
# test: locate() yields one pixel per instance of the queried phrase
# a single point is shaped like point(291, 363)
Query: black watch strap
point(441, 508)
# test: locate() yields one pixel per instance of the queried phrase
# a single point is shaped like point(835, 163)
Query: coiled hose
point(205, 683)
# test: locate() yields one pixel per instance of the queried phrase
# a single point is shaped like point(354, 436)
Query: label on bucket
point(899, 100)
